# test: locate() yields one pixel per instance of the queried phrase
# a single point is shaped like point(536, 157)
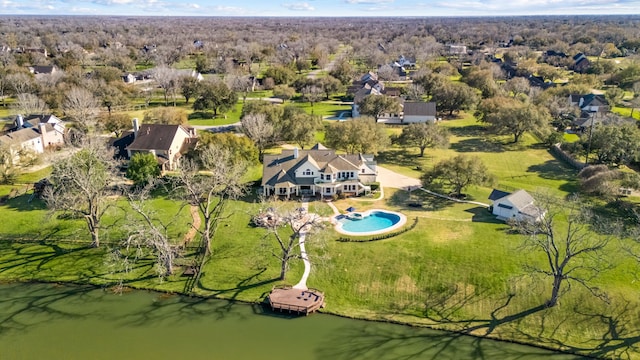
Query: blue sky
point(319, 7)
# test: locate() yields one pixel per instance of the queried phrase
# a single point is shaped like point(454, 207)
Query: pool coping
point(338, 224)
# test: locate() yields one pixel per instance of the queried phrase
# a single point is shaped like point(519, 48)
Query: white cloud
point(302, 6)
point(368, 2)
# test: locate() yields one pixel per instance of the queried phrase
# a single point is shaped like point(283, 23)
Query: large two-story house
point(317, 171)
point(167, 142)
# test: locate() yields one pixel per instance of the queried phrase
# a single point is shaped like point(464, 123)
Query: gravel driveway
point(392, 179)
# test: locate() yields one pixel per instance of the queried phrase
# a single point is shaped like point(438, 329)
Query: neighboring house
point(368, 77)
point(589, 102)
point(369, 85)
point(406, 63)
point(40, 69)
point(51, 128)
point(369, 88)
point(191, 73)
point(457, 50)
point(129, 78)
point(167, 142)
point(538, 81)
point(580, 63)
point(399, 70)
point(416, 112)
point(23, 139)
point(517, 206)
point(317, 171)
point(34, 133)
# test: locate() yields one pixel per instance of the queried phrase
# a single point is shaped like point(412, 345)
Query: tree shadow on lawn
point(618, 339)
point(402, 157)
point(553, 170)
point(482, 214)
point(468, 131)
point(418, 200)
point(22, 203)
point(477, 145)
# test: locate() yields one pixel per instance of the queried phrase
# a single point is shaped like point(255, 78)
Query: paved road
point(217, 128)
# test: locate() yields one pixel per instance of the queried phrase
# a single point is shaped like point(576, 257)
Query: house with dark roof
point(167, 142)
point(514, 206)
point(416, 112)
point(589, 102)
point(42, 69)
point(317, 171)
point(580, 63)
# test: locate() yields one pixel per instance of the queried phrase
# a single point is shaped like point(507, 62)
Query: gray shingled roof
point(275, 165)
point(20, 136)
point(521, 199)
point(420, 108)
point(155, 137)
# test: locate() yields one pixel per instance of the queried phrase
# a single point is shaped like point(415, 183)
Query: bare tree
point(81, 185)
point(20, 82)
point(30, 104)
point(288, 229)
point(256, 127)
point(167, 78)
point(82, 107)
point(149, 231)
point(211, 189)
point(573, 251)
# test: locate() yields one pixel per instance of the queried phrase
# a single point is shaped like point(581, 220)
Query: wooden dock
point(286, 298)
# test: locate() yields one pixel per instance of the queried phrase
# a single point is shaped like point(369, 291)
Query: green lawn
point(626, 112)
point(525, 165)
point(325, 109)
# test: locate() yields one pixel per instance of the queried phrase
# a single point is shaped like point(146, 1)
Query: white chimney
point(43, 128)
point(295, 152)
point(19, 121)
point(136, 127)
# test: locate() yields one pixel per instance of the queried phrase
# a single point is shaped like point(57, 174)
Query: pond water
point(43, 321)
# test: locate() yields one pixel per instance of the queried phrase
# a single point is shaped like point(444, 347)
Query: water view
point(77, 322)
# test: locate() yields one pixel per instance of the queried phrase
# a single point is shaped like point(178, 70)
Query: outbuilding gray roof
point(420, 108)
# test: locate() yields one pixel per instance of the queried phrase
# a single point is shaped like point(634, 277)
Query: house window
point(363, 171)
point(321, 176)
point(328, 191)
point(352, 175)
point(307, 172)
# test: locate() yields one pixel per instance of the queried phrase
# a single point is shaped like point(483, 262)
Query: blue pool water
point(377, 220)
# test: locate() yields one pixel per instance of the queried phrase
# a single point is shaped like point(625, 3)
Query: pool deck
point(399, 224)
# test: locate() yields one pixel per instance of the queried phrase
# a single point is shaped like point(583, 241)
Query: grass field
point(626, 112)
point(459, 269)
point(525, 165)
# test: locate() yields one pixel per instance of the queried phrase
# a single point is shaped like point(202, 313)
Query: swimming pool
point(369, 222)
